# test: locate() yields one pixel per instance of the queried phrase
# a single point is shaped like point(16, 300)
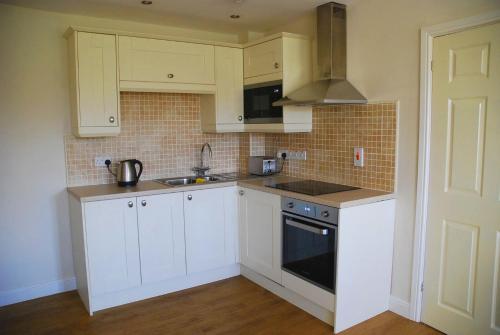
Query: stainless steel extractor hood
point(332, 86)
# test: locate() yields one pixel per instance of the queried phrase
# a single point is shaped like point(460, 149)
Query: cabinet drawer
point(151, 60)
point(264, 58)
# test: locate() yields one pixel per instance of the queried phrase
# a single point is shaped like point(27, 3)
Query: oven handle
point(302, 226)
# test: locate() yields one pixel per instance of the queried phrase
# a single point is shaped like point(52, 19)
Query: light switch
point(359, 157)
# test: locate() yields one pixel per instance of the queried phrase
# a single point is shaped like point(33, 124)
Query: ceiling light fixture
point(234, 16)
point(146, 2)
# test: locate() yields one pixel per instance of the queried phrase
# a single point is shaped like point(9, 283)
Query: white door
point(260, 232)
point(112, 245)
point(97, 80)
point(161, 237)
point(152, 60)
point(211, 228)
point(263, 58)
point(229, 94)
point(462, 279)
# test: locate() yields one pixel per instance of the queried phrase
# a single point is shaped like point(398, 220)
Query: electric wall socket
point(293, 155)
point(99, 160)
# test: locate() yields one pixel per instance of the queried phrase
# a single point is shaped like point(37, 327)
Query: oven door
point(309, 250)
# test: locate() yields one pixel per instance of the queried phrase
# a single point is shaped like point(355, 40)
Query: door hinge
point(422, 287)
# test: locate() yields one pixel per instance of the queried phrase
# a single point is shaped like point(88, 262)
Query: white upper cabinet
point(263, 59)
point(159, 61)
point(161, 237)
point(223, 112)
point(211, 228)
point(94, 84)
point(112, 245)
point(260, 232)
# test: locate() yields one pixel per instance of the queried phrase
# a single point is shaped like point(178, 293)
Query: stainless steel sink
point(186, 180)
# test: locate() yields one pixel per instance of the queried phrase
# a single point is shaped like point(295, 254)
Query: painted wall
point(35, 247)
point(383, 52)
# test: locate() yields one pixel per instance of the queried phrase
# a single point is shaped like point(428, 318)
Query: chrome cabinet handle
point(130, 204)
point(143, 203)
point(276, 65)
point(241, 192)
point(170, 75)
point(190, 197)
point(240, 118)
point(111, 119)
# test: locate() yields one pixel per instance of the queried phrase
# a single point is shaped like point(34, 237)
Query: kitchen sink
point(187, 180)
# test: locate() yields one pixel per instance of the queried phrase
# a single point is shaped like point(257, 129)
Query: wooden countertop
point(344, 199)
point(145, 188)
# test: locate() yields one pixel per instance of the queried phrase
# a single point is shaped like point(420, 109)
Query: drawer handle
point(130, 204)
point(240, 118)
point(276, 65)
point(242, 192)
point(170, 75)
point(111, 119)
point(143, 203)
point(190, 197)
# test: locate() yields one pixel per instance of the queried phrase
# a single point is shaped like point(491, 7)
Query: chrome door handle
point(302, 226)
point(190, 197)
point(111, 119)
point(143, 203)
point(130, 204)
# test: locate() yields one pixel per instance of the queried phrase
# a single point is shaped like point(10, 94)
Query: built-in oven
point(258, 102)
point(310, 242)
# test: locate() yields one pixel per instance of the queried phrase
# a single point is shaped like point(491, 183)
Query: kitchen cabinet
point(223, 112)
point(154, 61)
point(260, 232)
point(284, 58)
point(263, 58)
point(211, 228)
point(94, 88)
point(161, 237)
point(112, 245)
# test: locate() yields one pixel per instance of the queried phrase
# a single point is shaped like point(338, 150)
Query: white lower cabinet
point(161, 237)
point(112, 245)
point(211, 228)
point(260, 232)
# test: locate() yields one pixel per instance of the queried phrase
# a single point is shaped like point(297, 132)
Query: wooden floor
point(232, 306)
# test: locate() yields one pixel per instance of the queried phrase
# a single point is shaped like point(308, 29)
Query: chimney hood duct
point(332, 88)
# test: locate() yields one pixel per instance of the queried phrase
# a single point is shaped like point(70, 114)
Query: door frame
point(427, 35)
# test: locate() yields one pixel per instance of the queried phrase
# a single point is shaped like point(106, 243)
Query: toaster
point(261, 165)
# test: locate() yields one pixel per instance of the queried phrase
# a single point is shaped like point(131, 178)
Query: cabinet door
point(97, 80)
point(161, 237)
point(152, 60)
point(260, 232)
point(263, 58)
point(229, 92)
point(211, 228)
point(112, 245)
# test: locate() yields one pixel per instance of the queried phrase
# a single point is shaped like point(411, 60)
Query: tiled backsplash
point(163, 131)
point(336, 131)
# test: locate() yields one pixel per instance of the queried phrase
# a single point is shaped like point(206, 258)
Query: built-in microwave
point(258, 102)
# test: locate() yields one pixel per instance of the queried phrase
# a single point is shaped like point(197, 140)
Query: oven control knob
point(325, 214)
point(290, 205)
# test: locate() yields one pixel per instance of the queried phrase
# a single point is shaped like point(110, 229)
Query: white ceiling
point(256, 15)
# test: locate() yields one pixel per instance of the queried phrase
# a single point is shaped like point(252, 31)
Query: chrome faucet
point(202, 169)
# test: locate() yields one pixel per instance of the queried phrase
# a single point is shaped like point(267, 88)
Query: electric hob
point(312, 187)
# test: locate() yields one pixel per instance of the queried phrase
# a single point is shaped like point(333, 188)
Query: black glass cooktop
point(312, 187)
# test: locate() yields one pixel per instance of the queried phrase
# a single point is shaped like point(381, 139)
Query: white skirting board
point(288, 295)
point(36, 291)
point(399, 306)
